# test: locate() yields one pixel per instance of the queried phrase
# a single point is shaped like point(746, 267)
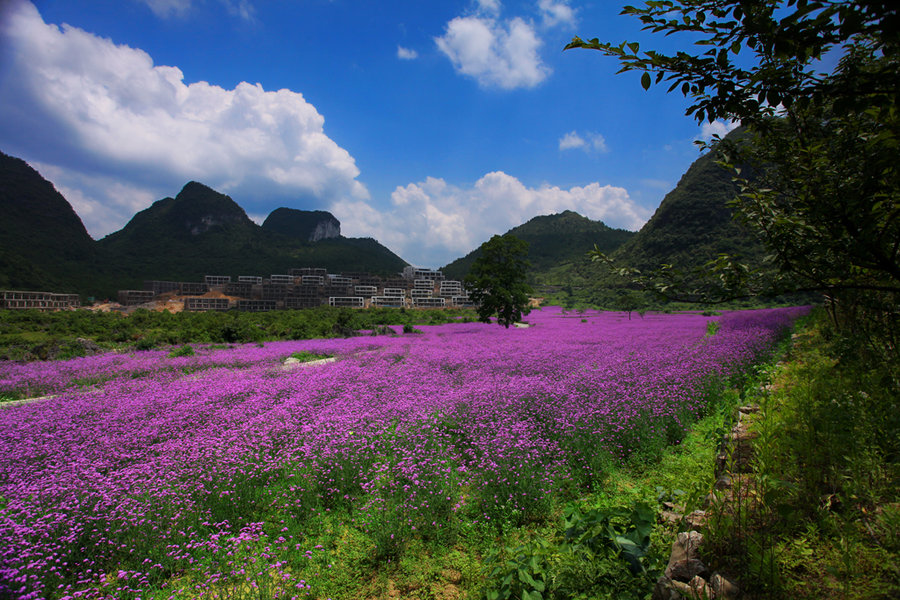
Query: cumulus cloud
point(489, 7)
point(556, 12)
point(97, 112)
point(432, 222)
point(406, 53)
point(717, 127)
point(495, 53)
point(590, 142)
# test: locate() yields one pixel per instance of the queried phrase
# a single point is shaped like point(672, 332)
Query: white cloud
point(496, 53)
point(432, 223)
point(165, 9)
point(489, 7)
point(556, 12)
point(82, 104)
point(406, 53)
point(241, 8)
point(168, 8)
point(717, 127)
point(573, 140)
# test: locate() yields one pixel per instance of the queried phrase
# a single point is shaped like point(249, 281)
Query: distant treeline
point(35, 335)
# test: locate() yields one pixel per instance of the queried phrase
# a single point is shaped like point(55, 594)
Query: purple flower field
point(144, 476)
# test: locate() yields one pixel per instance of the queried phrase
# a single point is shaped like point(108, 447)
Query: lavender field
point(145, 476)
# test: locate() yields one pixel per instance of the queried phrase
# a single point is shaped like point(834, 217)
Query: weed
point(186, 350)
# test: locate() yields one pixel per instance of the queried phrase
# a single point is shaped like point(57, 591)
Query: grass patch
point(818, 517)
point(306, 356)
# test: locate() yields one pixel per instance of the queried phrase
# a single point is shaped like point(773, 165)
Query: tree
point(817, 170)
point(496, 281)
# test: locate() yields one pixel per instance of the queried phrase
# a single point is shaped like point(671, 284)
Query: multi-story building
point(450, 287)
point(205, 304)
point(241, 289)
point(312, 280)
point(350, 301)
point(251, 279)
point(256, 305)
point(21, 300)
point(428, 302)
point(132, 297)
point(413, 273)
point(217, 280)
point(389, 301)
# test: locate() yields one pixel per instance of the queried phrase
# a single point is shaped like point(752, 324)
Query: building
point(349, 301)
point(21, 300)
point(205, 304)
point(428, 302)
point(132, 297)
point(414, 273)
point(450, 287)
point(217, 280)
point(365, 290)
point(256, 305)
point(241, 289)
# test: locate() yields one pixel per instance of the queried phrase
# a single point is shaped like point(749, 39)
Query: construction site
point(306, 287)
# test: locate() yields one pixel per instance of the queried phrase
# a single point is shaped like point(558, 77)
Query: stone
point(696, 520)
point(663, 590)
point(685, 558)
point(723, 482)
point(723, 588)
point(686, 570)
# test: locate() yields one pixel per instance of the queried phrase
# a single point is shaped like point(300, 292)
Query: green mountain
point(44, 245)
point(693, 223)
point(306, 225)
point(553, 241)
point(202, 232)
point(691, 226)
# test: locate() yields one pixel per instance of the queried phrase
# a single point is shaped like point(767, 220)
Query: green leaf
point(645, 80)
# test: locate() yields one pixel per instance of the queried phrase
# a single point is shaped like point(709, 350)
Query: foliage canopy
point(817, 171)
point(497, 280)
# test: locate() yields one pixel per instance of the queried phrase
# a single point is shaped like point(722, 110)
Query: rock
point(686, 570)
point(696, 520)
point(723, 482)
point(684, 562)
point(89, 346)
point(722, 588)
point(663, 590)
point(699, 587)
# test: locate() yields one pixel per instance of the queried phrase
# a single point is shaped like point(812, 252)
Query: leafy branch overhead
point(816, 169)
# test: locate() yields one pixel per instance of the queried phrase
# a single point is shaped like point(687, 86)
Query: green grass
point(820, 513)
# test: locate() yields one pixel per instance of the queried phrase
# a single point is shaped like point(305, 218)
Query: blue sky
point(428, 125)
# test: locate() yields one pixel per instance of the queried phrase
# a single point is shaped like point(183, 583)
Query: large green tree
point(816, 86)
point(497, 280)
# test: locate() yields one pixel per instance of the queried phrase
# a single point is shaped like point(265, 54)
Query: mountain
point(693, 223)
point(203, 232)
point(306, 225)
point(553, 240)
point(43, 243)
point(45, 246)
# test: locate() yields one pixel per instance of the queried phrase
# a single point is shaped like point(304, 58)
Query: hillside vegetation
point(44, 245)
